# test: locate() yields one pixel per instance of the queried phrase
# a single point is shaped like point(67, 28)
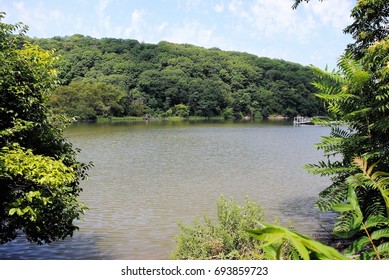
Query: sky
point(312, 34)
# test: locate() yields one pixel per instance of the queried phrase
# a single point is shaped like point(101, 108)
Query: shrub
point(225, 238)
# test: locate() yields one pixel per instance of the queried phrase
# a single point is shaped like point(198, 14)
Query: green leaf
point(383, 248)
point(358, 245)
point(269, 235)
point(375, 221)
point(381, 233)
point(12, 211)
point(303, 244)
point(342, 207)
point(301, 249)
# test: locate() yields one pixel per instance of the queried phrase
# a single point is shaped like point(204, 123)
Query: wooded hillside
point(117, 77)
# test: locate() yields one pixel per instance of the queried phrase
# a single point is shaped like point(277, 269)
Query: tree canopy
point(151, 79)
point(39, 173)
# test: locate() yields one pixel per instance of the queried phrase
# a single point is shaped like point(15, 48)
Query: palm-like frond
point(275, 237)
point(357, 96)
point(327, 168)
point(332, 195)
point(353, 70)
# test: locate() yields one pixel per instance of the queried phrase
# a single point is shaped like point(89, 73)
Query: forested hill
point(117, 77)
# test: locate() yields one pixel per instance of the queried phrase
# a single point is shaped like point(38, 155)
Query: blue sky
point(312, 34)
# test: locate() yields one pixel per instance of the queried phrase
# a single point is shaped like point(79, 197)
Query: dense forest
point(116, 77)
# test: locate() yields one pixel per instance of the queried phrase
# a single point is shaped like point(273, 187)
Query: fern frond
point(381, 233)
point(384, 96)
point(331, 196)
point(357, 113)
point(383, 248)
point(345, 225)
point(330, 145)
point(358, 245)
point(375, 221)
point(353, 70)
point(382, 124)
point(338, 132)
point(324, 75)
point(328, 168)
point(373, 205)
point(332, 95)
point(376, 181)
point(325, 90)
point(358, 180)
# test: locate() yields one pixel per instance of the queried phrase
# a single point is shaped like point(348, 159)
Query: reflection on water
point(150, 175)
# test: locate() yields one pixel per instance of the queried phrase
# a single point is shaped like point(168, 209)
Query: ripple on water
point(146, 178)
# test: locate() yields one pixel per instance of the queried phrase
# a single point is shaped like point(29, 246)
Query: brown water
point(150, 175)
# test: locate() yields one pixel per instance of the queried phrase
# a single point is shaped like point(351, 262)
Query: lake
point(147, 176)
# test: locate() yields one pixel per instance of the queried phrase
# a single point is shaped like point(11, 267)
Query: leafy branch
point(275, 238)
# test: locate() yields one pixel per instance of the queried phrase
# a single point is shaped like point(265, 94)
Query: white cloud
point(189, 4)
point(104, 20)
point(37, 17)
point(19, 5)
point(332, 12)
point(103, 4)
point(136, 24)
point(235, 5)
point(162, 26)
point(194, 33)
point(276, 17)
point(219, 8)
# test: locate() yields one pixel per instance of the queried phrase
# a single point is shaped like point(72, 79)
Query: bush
point(225, 239)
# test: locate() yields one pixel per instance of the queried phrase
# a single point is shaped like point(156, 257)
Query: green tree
point(87, 101)
point(155, 78)
point(357, 98)
point(181, 110)
point(39, 173)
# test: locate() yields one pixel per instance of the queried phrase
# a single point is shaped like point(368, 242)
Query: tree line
point(117, 77)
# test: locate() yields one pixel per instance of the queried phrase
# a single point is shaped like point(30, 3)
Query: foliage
point(365, 221)
point(357, 96)
point(370, 234)
point(88, 101)
point(357, 100)
point(224, 239)
point(39, 174)
point(370, 25)
point(156, 77)
point(299, 246)
point(181, 110)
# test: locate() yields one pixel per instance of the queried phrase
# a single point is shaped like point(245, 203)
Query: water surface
point(147, 176)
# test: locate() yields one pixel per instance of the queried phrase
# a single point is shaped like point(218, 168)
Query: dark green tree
point(39, 173)
point(211, 82)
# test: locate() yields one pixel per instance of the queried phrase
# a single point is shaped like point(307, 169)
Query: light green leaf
point(342, 207)
point(383, 248)
point(381, 233)
point(301, 249)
